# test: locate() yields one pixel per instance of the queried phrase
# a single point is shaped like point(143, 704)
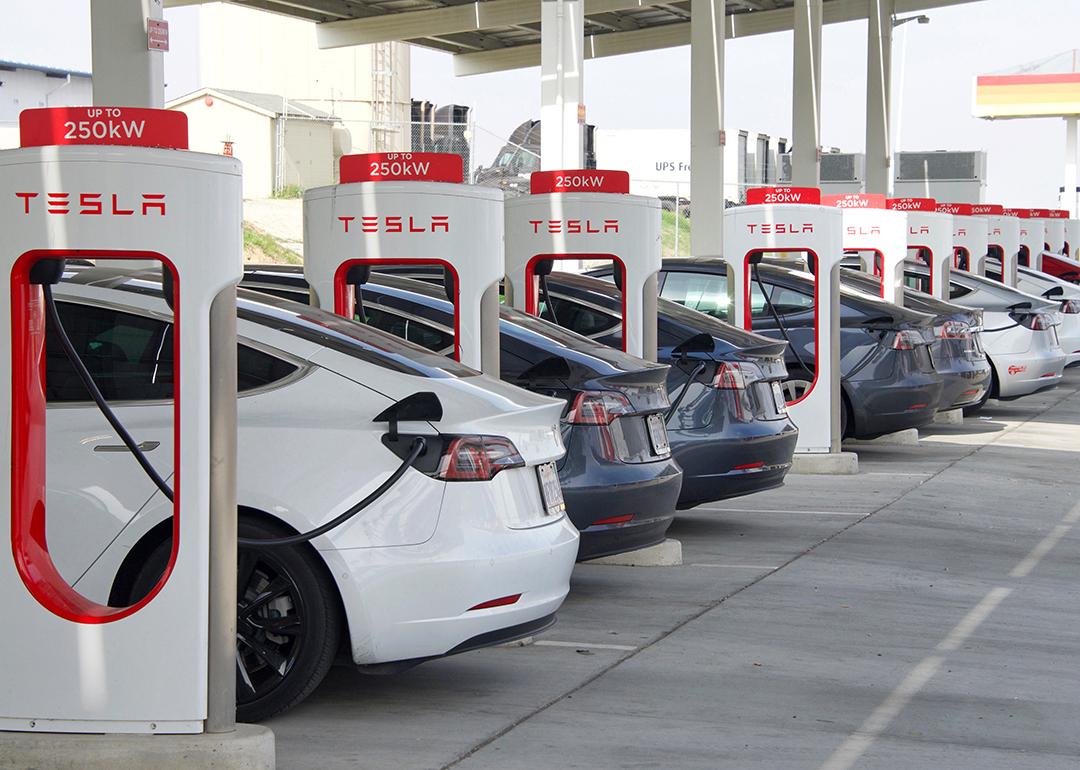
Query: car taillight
point(954, 330)
point(1071, 306)
point(1037, 322)
point(907, 339)
point(729, 376)
point(477, 458)
point(598, 407)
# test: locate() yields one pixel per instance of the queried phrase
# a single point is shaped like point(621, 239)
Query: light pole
point(899, 95)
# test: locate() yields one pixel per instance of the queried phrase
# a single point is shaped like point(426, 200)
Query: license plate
point(658, 434)
point(550, 489)
point(778, 398)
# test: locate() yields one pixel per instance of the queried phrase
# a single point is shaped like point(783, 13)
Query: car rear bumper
point(618, 517)
point(888, 406)
point(1023, 374)
point(964, 386)
point(414, 602)
point(722, 464)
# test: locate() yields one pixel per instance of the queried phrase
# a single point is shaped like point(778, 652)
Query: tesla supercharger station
point(1002, 238)
point(410, 208)
point(588, 215)
point(789, 224)
point(929, 239)
point(969, 237)
point(1072, 238)
point(1032, 238)
point(1054, 231)
point(880, 237)
point(117, 183)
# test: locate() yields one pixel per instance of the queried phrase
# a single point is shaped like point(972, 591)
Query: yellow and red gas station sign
point(1027, 96)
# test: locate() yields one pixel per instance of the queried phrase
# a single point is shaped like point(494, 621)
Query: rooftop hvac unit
point(835, 167)
point(941, 165)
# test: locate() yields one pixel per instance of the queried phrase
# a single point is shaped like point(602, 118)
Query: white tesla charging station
point(116, 183)
point(588, 215)
point(969, 237)
point(1054, 231)
point(1002, 236)
point(929, 238)
point(880, 237)
point(411, 208)
point(1072, 238)
point(788, 223)
point(1032, 237)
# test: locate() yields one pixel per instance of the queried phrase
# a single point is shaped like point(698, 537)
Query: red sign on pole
point(912, 204)
point(1057, 214)
point(157, 35)
point(124, 126)
point(990, 209)
point(956, 209)
point(402, 167)
point(854, 201)
point(579, 180)
point(760, 195)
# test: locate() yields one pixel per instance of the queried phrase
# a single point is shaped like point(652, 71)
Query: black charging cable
point(682, 394)
point(547, 299)
point(776, 317)
point(418, 445)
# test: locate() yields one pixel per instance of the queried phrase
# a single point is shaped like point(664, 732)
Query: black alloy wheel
point(288, 625)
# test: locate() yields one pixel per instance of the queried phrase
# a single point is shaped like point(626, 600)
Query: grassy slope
point(667, 234)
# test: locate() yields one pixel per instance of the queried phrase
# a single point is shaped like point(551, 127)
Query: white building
point(282, 144)
point(26, 85)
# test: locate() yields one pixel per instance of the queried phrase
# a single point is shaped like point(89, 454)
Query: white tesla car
point(1051, 289)
point(469, 548)
point(1019, 331)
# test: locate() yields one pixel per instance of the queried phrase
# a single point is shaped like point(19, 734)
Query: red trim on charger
point(532, 288)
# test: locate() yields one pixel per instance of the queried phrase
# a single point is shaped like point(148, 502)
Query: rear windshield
point(349, 337)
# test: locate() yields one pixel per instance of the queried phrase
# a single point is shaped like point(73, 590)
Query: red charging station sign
point(760, 195)
point(1057, 214)
point(1012, 212)
point(579, 180)
point(989, 209)
point(956, 209)
point(854, 201)
point(402, 167)
point(1034, 213)
point(912, 204)
point(122, 126)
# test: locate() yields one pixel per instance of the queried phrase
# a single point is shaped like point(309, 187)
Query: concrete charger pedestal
point(825, 463)
point(249, 747)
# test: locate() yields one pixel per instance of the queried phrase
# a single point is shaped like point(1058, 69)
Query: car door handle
point(146, 446)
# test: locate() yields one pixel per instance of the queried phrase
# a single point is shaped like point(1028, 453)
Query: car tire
point(288, 621)
point(798, 382)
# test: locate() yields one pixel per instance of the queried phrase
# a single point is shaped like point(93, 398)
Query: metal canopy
point(493, 35)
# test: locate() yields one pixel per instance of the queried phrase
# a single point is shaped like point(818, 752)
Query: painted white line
point(778, 510)
point(859, 741)
point(980, 612)
point(737, 566)
point(1044, 546)
point(583, 645)
point(895, 473)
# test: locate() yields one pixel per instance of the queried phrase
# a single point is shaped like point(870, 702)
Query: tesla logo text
point(779, 228)
point(94, 204)
point(860, 230)
point(574, 226)
point(922, 230)
point(1017, 369)
point(392, 224)
point(996, 231)
point(961, 232)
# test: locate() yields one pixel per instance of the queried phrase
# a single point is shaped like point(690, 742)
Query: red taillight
point(954, 330)
point(477, 458)
point(1071, 306)
point(615, 520)
point(598, 407)
point(1040, 322)
point(907, 339)
point(749, 466)
point(729, 376)
point(502, 601)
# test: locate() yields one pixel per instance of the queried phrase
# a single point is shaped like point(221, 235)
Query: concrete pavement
point(922, 614)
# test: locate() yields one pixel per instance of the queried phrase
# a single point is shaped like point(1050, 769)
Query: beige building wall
point(249, 50)
point(309, 153)
point(252, 135)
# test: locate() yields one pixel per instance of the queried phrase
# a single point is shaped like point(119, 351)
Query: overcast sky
point(933, 69)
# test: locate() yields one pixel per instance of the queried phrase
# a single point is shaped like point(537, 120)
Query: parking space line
point(780, 510)
point(584, 645)
point(737, 566)
point(1044, 546)
point(980, 612)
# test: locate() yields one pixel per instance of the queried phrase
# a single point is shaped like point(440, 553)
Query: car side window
point(785, 301)
point(410, 329)
point(707, 293)
point(130, 357)
point(579, 318)
point(956, 290)
point(918, 282)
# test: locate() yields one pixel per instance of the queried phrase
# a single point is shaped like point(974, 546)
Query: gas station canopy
point(494, 35)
